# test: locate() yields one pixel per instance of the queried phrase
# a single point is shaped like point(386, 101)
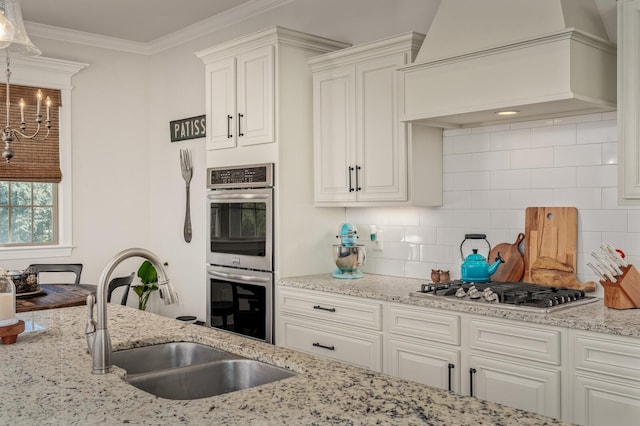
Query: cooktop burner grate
point(510, 295)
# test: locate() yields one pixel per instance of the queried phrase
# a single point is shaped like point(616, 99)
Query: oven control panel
point(250, 176)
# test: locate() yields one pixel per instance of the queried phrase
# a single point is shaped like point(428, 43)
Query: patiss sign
point(188, 128)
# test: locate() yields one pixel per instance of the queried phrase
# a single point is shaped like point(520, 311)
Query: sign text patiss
point(188, 128)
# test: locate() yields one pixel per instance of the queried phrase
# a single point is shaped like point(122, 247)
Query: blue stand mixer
point(348, 255)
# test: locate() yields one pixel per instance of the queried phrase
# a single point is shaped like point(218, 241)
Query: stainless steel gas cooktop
point(517, 296)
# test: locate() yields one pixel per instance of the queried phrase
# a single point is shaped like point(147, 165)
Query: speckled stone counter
point(593, 317)
point(47, 380)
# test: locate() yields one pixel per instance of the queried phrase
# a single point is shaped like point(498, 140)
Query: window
point(28, 213)
point(36, 211)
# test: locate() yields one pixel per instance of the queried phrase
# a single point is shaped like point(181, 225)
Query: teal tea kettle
point(475, 268)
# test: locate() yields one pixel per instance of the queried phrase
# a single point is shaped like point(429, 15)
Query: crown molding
point(215, 23)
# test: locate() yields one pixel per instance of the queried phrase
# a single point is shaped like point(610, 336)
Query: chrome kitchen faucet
point(98, 339)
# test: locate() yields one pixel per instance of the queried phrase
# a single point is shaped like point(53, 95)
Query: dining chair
point(120, 282)
point(75, 268)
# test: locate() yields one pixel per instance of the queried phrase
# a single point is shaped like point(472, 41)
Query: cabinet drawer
point(363, 349)
point(322, 306)
point(611, 355)
point(423, 324)
point(511, 339)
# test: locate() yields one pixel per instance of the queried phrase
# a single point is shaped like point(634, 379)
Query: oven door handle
point(239, 277)
point(236, 196)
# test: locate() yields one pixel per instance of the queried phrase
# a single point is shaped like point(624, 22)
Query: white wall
point(127, 187)
point(491, 174)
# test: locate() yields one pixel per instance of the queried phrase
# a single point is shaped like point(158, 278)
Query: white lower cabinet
point(342, 328)
point(422, 345)
point(582, 377)
point(513, 363)
point(606, 379)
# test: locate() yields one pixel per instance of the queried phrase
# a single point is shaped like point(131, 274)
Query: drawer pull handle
point(324, 309)
point(450, 367)
point(318, 345)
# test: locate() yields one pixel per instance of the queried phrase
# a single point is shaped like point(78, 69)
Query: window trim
point(54, 74)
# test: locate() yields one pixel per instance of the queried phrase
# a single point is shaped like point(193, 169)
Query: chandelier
point(15, 41)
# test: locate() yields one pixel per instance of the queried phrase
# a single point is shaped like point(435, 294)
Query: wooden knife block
point(625, 293)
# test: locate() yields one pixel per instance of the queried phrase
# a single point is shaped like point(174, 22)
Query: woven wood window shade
point(34, 160)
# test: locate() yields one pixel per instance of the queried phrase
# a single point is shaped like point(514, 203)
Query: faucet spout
point(101, 349)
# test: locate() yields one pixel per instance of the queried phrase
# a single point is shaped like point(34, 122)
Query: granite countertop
point(48, 381)
point(593, 316)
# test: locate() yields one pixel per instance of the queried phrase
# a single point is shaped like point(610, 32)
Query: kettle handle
point(474, 237)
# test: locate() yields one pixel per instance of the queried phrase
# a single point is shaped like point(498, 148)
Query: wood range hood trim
point(565, 72)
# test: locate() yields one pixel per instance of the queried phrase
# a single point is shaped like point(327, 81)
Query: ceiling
point(146, 20)
point(133, 20)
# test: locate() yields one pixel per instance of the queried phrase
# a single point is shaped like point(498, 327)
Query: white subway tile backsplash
point(492, 199)
point(512, 139)
point(468, 180)
point(457, 199)
point(597, 132)
point(610, 198)
point(610, 153)
point(523, 198)
point(490, 160)
point(532, 158)
point(491, 175)
point(603, 220)
point(577, 155)
point(457, 163)
point(511, 179)
point(559, 177)
point(581, 198)
point(419, 235)
point(553, 136)
point(394, 268)
point(597, 176)
point(475, 142)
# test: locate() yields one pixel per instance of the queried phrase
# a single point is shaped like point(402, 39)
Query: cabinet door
point(334, 135)
point(602, 402)
point(221, 105)
point(517, 385)
point(380, 136)
point(629, 101)
point(255, 118)
point(432, 365)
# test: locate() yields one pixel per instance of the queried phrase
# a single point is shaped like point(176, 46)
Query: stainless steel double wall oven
point(240, 250)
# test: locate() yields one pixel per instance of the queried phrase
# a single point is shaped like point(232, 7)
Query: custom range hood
point(541, 58)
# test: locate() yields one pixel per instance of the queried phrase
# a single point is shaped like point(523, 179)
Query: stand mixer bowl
point(348, 259)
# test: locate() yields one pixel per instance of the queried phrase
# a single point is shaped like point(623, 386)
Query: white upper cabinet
point(240, 99)
point(361, 148)
point(243, 77)
point(629, 102)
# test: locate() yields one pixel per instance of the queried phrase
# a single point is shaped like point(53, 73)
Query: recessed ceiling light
point(507, 112)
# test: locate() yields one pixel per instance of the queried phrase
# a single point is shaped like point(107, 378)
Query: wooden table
point(56, 296)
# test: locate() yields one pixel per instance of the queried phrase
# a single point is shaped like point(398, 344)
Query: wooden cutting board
point(512, 270)
point(550, 232)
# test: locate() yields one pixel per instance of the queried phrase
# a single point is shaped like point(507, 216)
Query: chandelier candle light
point(14, 40)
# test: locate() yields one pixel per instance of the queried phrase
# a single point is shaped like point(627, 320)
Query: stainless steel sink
point(184, 370)
point(167, 355)
point(204, 380)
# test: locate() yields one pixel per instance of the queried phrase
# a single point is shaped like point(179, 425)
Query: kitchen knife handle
point(229, 135)
point(472, 371)
point(350, 185)
point(450, 367)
